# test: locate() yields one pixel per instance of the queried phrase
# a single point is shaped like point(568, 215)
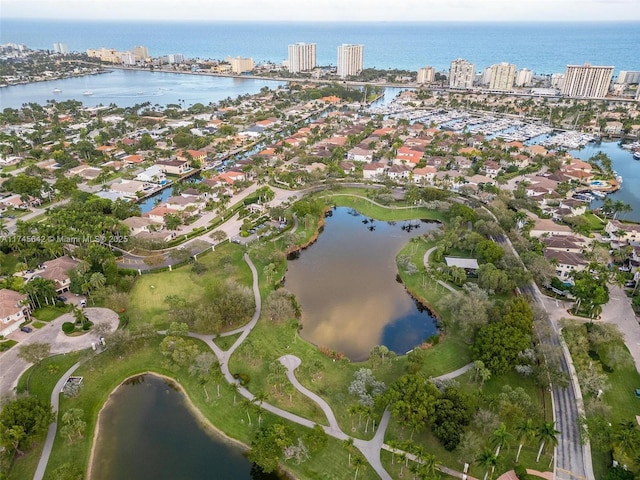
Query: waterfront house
point(129, 188)
point(622, 232)
point(13, 311)
point(153, 174)
point(174, 167)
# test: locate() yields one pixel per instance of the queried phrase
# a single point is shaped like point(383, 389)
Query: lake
point(147, 431)
point(346, 285)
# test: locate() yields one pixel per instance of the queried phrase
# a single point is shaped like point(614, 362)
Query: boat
point(619, 178)
point(598, 193)
point(56, 90)
point(636, 155)
point(87, 92)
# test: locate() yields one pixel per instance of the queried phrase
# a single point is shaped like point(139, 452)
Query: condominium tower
point(426, 75)
point(461, 74)
point(240, 64)
point(502, 76)
point(302, 57)
point(60, 48)
point(627, 77)
point(524, 77)
point(350, 60)
point(141, 53)
point(587, 81)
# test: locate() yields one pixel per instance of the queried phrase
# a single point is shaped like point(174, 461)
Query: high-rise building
point(302, 57)
point(240, 64)
point(350, 60)
point(502, 76)
point(127, 58)
point(587, 81)
point(627, 77)
point(175, 58)
point(426, 75)
point(638, 94)
point(141, 53)
point(524, 77)
point(557, 80)
point(60, 48)
point(485, 77)
point(461, 74)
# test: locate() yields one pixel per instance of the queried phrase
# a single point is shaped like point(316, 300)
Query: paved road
point(619, 312)
point(425, 260)
point(12, 367)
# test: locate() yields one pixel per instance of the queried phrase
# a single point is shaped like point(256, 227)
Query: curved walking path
point(427, 254)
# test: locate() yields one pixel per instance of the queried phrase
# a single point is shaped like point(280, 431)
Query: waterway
point(126, 88)
point(347, 288)
point(623, 163)
point(147, 431)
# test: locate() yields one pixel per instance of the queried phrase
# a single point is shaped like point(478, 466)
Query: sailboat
point(87, 92)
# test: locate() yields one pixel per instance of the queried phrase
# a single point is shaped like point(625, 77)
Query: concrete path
point(619, 312)
point(51, 434)
point(12, 366)
point(426, 264)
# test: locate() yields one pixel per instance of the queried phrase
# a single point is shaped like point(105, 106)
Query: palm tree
point(348, 445)
point(258, 398)
point(626, 438)
point(525, 431)
point(500, 438)
point(247, 405)
point(234, 388)
point(358, 462)
point(546, 433)
point(3, 227)
point(488, 460)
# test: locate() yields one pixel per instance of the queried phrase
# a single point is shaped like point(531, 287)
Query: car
point(61, 298)
point(26, 329)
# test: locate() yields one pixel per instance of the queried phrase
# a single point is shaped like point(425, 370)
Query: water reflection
point(146, 431)
point(346, 285)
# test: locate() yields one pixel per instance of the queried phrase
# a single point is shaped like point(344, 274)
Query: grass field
point(47, 313)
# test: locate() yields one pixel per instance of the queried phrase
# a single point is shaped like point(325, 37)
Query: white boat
point(636, 155)
point(56, 90)
point(598, 193)
point(87, 92)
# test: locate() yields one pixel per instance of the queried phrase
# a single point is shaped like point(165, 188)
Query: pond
point(346, 285)
point(147, 431)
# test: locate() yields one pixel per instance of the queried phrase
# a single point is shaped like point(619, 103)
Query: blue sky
point(327, 10)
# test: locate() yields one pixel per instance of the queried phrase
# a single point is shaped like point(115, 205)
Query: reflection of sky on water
point(346, 285)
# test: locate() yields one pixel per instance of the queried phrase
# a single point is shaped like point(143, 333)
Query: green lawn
point(38, 325)
point(150, 290)
point(47, 313)
point(7, 344)
point(225, 343)
point(102, 375)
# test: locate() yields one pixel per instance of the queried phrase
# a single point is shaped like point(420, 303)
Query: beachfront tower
point(461, 74)
point(302, 57)
point(350, 60)
point(587, 81)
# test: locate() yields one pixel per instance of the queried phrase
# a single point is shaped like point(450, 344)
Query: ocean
point(544, 48)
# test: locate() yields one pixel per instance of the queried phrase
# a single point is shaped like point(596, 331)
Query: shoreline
point(203, 421)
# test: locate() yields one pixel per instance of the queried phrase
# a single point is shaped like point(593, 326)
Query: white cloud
point(328, 10)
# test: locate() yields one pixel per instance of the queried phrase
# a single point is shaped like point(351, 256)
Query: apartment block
point(350, 60)
point(240, 64)
point(302, 57)
point(461, 74)
point(524, 77)
point(426, 75)
point(627, 77)
point(60, 48)
point(503, 76)
point(587, 81)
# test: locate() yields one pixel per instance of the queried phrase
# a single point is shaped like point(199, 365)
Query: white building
point(426, 75)
point(557, 80)
point(461, 74)
point(485, 78)
point(350, 60)
point(141, 53)
point(502, 76)
point(524, 77)
point(60, 48)
point(302, 57)
point(627, 77)
point(587, 81)
point(175, 58)
point(127, 58)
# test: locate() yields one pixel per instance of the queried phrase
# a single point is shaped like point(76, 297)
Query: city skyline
point(328, 10)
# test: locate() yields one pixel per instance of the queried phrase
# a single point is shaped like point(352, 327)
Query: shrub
point(68, 327)
point(521, 472)
point(87, 325)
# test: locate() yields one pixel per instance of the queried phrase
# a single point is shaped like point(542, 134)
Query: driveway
point(12, 367)
point(619, 312)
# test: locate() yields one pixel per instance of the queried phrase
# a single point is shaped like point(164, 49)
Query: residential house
point(153, 174)
point(13, 311)
point(132, 159)
point(424, 175)
point(549, 228)
point(137, 225)
point(623, 232)
point(358, 154)
point(408, 156)
point(188, 155)
point(174, 167)
point(347, 167)
point(157, 214)
point(57, 270)
point(398, 172)
point(182, 204)
point(568, 243)
point(492, 169)
point(87, 172)
point(129, 188)
point(373, 171)
point(566, 263)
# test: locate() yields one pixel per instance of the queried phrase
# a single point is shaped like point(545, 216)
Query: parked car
point(26, 329)
point(61, 298)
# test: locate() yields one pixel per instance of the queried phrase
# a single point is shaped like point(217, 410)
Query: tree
point(73, 424)
point(267, 447)
point(22, 420)
point(316, 438)
point(489, 460)
point(500, 438)
point(34, 352)
point(498, 345)
point(546, 433)
point(358, 462)
point(412, 401)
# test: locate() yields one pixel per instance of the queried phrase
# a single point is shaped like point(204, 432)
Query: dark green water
point(147, 432)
